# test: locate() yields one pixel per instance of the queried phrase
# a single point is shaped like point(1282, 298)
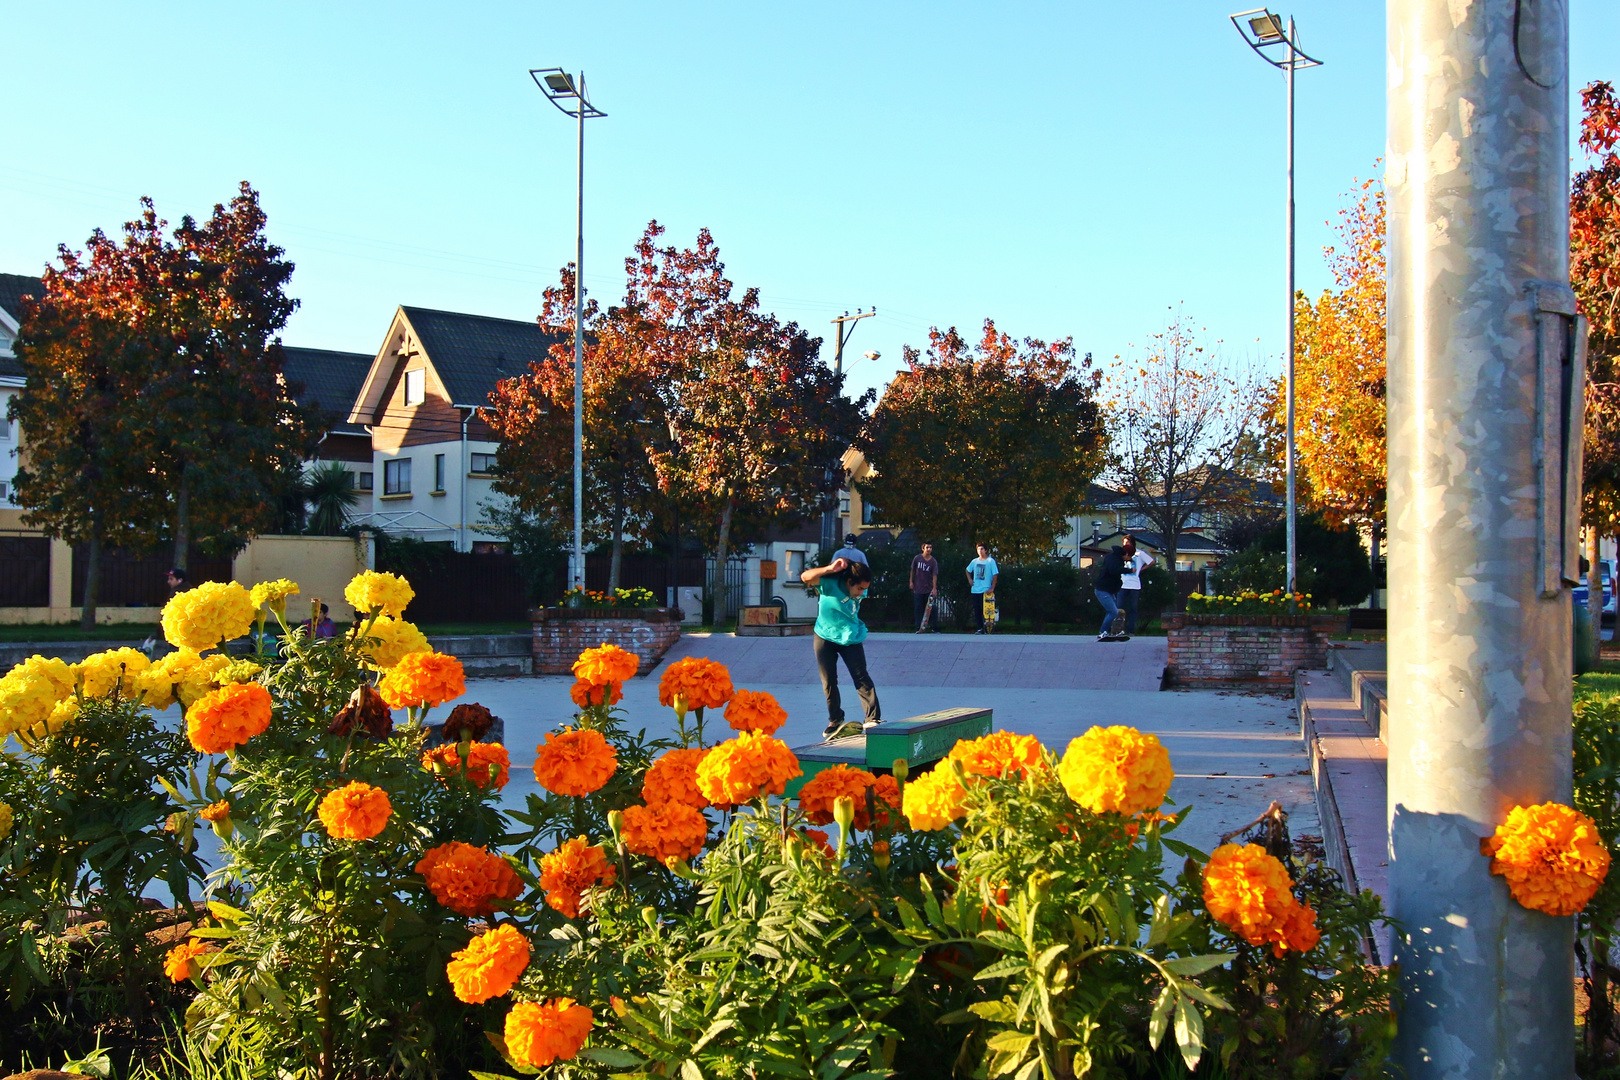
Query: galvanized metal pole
point(1293, 509)
point(1483, 395)
point(578, 569)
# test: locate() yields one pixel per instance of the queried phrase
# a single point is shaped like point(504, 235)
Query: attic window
point(415, 386)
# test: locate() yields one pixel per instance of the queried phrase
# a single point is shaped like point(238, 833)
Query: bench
point(921, 740)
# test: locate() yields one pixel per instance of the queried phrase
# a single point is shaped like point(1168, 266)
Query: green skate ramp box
point(921, 740)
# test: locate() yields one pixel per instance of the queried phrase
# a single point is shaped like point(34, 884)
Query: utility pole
point(846, 326)
point(1486, 374)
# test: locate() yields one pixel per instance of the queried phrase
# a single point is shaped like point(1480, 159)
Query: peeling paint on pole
point(1480, 355)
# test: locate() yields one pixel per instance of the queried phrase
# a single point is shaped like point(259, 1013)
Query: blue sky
point(1068, 169)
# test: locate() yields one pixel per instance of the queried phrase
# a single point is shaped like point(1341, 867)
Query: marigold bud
point(902, 768)
point(844, 811)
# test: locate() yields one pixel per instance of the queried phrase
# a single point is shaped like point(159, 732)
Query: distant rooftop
point(471, 353)
point(329, 381)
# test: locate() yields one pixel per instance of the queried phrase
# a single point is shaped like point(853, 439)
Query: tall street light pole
point(571, 100)
point(1263, 31)
point(846, 326)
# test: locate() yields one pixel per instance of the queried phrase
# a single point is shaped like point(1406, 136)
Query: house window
point(795, 565)
point(397, 477)
point(5, 491)
point(438, 472)
point(482, 464)
point(364, 483)
point(415, 386)
point(870, 515)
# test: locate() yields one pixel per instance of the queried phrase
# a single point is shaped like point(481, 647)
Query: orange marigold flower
point(218, 811)
point(569, 871)
point(469, 721)
point(816, 840)
point(423, 679)
point(574, 762)
point(1116, 769)
point(665, 831)
point(1551, 855)
point(180, 962)
point(673, 778)
point(355, 811)
point(228, 717)
point(483, 760)
point(935, 799)
point(746, 767)
point(606, 665)
point(538, 1034)
point(490, 964)
point(755, 710)
point(700, 682)
point(819, 793)
point(467, 879)
point(1000, 753)
point(587, 694)
point(1248, 891)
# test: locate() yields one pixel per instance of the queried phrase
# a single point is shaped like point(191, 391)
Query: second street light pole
point(559, 86)
point(846, 326)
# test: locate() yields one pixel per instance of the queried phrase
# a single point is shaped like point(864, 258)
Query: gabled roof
point(471, 353)
point(328, 381)
point(13, 287)
point(1186, 543)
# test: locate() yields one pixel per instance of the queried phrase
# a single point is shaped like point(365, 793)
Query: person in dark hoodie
point(1109, 577)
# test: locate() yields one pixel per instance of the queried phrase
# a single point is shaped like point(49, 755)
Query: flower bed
point(1245, 650)
point(562, 633)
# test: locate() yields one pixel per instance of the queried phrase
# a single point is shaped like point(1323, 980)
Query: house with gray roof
point(329, 381)
point(13, 288)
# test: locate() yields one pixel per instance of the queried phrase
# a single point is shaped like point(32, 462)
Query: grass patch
point(27, 632)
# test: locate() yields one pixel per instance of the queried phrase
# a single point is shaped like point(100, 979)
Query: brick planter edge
point(561, 634)
point(1255, 651)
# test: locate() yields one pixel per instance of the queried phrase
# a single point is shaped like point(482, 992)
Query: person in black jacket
point(1109, 575)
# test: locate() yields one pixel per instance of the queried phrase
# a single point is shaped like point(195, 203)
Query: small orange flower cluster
point(673, 778)
point(606, 665)
point(585, 695)
point(937, 797)
point(755, 710)
point(696, 682)
point(998, 754)
point(934, 799)
point(487, 763)
point(537, 1034)
point(1551, 855)
point(180, 963)
point(816, 840)
point(568, 872)
point(355, 811)
point(1116, 770)
point(226, 718)
point(746, 767)
point(215, 812)
point(467, 879)
point(490, 964)
point(821, 790)
point(1248, 891)
point(423, 679)
point(665, 831)
point(576, 761)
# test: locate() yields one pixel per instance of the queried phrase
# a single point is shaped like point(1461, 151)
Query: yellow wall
point(321, 565)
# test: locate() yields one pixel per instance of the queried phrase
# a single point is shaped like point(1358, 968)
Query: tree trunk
point(1594, 594)
point(718, 587)
point(617, 559)
point(92, 576)
point(182, 522)
point(1372, 563)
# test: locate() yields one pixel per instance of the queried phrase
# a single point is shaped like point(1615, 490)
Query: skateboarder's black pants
point(978, 610)
point(827, 654)
point(919, 604)
point(1127, 605)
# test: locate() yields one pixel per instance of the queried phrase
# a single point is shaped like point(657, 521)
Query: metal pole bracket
point(1560, 414)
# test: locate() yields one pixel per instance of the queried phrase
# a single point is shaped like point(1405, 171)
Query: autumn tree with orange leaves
point(1594, 271)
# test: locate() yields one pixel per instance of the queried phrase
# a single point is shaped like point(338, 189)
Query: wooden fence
point(25, 571)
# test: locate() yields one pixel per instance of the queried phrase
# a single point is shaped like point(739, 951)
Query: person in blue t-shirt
point(839, 632)
point(982, 573)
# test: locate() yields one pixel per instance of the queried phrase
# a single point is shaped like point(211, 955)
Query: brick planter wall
point(1246, 650)
point(561, 634)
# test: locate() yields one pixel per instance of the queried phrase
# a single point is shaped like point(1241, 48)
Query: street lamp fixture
point(1278, 46)
point(572, 100)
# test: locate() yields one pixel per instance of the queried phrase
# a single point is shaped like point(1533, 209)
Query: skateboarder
point(839, 632)
point(1107, 590)
point(983, 573)
point(924, 587)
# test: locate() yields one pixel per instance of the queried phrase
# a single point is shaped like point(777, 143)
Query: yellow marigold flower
point(606, 665)
point(99, 672)
point(273, 593)
point(1248, 891)
point(536, 1034)
point(371, 591)
point(587, 694)
point(822, 790)
point(213, 612)
point(1000, 753)
point(467, 879)
point(755, 710)
point(490, 964)
point(180, 963)
point(572, 869)
point(29, 692)
point(217, 811)
point(665, 831)
point(181, 676)
point(934, 799)
point(228, 717)
point(746, 767)
point(395, 640)
point(1551, 855)
point(574, 762)
point(483, 760)
point(423, 679)
point(62, 714)
point(697, 680)
point(6, 820)
point(673, 778)
point(1116, 769)
point(355, 811)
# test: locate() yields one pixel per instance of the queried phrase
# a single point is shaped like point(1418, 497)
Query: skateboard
point(1115, 637)
point(928, 613)
point(990, 616)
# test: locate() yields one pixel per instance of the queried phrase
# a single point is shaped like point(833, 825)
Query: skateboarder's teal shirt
point(838, 619)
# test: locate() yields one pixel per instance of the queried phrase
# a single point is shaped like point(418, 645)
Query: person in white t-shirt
point(1130, 581)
